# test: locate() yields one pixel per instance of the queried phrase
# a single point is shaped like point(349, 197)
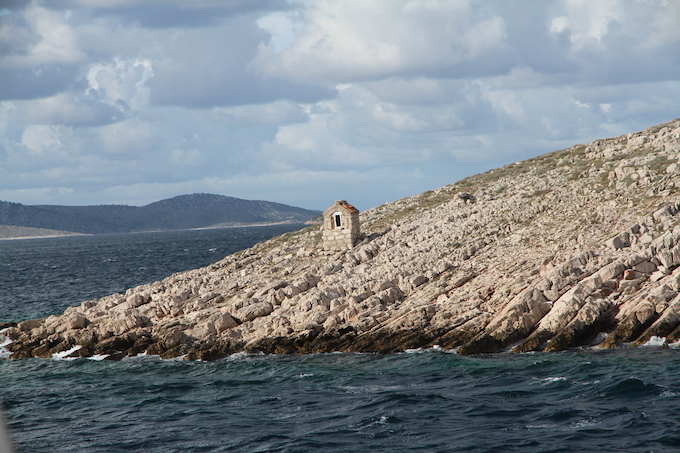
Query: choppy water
point(40, 277)
point(429, 401)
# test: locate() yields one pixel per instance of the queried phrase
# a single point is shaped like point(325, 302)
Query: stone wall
point(340, 238)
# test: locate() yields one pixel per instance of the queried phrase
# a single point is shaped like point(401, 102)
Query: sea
point(432, 400)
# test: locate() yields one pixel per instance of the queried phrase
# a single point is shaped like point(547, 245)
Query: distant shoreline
point(46, 236)
point(57, 234)
point(14, 232)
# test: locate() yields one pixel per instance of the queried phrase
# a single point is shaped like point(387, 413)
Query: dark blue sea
point(422, 401)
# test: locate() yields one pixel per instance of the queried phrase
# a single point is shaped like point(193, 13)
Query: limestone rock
point(250, 312)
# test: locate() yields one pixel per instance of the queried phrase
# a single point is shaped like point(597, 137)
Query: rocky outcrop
point(576, 247)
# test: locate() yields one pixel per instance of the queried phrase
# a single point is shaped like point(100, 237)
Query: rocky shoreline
point(580, 247)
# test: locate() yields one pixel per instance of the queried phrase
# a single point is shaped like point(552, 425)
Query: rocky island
point(579, 247)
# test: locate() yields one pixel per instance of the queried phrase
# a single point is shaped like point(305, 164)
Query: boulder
point(77, 321)
point(252, 311)
point(223, 322)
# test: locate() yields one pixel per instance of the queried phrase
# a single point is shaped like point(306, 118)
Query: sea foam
point(655, 342)
point(4, 342)
point(64, 355)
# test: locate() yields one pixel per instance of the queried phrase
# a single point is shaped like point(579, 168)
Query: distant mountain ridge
point(198, 210)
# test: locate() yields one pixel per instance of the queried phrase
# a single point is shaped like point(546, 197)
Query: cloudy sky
point(306, 102)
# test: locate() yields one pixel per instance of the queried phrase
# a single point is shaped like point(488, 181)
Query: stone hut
point(340, 226)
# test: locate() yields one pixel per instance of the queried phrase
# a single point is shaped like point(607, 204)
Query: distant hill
point(181, 212)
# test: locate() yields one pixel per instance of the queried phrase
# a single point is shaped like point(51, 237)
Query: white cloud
point(40, 139)
point(358, 40)
point(617, 41)
point(130, 137)
point(398, 120)
point(506, 102)
point(664, 26)
point(587, 22)
point(121, 83)
point(314, 144)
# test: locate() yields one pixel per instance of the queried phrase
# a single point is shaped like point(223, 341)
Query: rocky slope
point(576, 247)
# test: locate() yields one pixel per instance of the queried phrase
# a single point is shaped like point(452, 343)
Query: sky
point(308, 102)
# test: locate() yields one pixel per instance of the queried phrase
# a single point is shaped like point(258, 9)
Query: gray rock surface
point(572, 248)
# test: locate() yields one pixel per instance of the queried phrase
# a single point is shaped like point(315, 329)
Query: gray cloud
point(218, 74)
point(27, 83)
point(175, 13)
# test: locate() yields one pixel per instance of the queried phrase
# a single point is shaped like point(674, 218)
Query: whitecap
point(357, 389)
point(141, 356)
point(243, 355)
point(434, 348)
point(7, 341)
point(655, 342)
point(414, 351)
point(541, 426)
point(550, 380)
point(674, 345)
point(65, 354)
point(237, 356)
point(585, 423)
point(4, 353)
point(437, 348)
point(98, 357)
